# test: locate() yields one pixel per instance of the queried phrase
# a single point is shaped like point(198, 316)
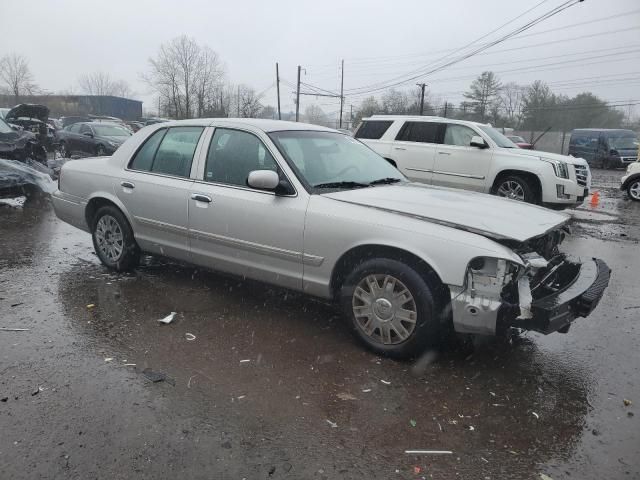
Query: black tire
point(529, 191)
point(129, 256)
point(64, 152)
point(425, 333)
point(101, 151)
point(632, 190)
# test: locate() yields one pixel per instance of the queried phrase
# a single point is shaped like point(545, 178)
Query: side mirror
point(88, 134)
point(263, 179)
point(478, 141)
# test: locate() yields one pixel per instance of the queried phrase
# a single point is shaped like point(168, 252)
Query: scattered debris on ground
point(189, 336)
point(428, 452)
point(157, 377)
point(333, 424)
point(7, 329)
point(168, 319)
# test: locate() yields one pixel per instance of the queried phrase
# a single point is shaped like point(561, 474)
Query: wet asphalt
point(275, 386)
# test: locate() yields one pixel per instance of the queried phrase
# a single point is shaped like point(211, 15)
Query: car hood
point(553, 156)
point(489, 216)
point(29, 110)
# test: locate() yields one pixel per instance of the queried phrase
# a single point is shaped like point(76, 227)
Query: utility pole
point(351, 118)
point(421, 85)
point(238, 101)
point(298, 95)
point(341, 91)
point(445, 109)
point(278, 89)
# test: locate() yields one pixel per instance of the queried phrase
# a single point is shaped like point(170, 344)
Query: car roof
point(266, 125)
point(577, 130)
point(423, 118)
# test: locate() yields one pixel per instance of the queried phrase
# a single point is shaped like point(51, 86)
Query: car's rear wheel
point(113, 239)
point(63, 150)
point(101, 151)
point(391, 308)
point(515, 187)
point(633, 190)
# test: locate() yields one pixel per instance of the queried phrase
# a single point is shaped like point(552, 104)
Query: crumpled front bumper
point(556, 311)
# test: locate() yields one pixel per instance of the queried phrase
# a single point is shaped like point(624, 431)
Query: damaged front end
point(544, 293)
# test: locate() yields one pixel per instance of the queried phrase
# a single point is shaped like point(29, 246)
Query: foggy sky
point(64, 39)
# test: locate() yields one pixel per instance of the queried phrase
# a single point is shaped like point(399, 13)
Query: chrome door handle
point(444, 153)
point(399, 148)
point(127, 185)
point(198, 197)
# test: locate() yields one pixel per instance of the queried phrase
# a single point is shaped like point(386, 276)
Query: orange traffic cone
point(595, 199)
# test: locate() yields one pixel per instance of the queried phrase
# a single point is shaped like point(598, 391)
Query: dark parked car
point(70, 120)
point(91, 138)
point(605, 148)
point(20, 144)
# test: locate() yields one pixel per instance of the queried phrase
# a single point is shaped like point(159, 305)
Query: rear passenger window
point(422, 132)
point(373, 129)
point(144, 158)
point(175, 154)
point(168, 151)
point(458, 135)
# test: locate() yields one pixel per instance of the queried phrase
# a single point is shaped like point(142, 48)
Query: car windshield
point(626, 142)
point(3, 112)
point(110, 131)
point(4, 127)
point(325, 160)
point(496, 136)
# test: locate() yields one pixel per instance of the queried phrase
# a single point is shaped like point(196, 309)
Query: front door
point(457, 163)
point(155, 190)
point(239, 229)
point(415, 148)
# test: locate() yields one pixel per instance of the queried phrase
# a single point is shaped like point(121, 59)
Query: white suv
point(475, 156)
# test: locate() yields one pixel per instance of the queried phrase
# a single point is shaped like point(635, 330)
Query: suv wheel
point(516, 188)
point(633, 190)
point(113, 239)
point(390, 307)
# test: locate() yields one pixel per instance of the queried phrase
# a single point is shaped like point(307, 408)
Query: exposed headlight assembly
point(489, 275)
point(560, 168)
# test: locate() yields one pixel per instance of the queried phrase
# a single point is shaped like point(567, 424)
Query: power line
point(417, 75)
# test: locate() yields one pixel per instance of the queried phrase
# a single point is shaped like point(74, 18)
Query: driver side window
point(85, 129)
point(233, 154)
point(458, 135)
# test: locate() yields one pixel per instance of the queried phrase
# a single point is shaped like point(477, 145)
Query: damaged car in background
point(33, 118)
point(308, 208)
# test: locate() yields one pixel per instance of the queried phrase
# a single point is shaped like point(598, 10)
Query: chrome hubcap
point(384, 309)
point(634, 190)
point(109, 238)
point(511, 189)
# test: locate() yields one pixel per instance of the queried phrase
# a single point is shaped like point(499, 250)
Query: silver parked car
point(311, 209)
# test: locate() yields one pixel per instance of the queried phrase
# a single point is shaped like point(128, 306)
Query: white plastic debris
point(385, 382)
point(108, 359)
point(333, 424)
point(366, 390)
point(4, 329)
point(428, 452)
point(168, 319)
point(535, 414)
point(246, 360)
point(189, 336)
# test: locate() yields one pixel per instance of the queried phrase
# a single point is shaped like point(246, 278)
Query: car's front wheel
point(391, 308)
point(113, 239)
point(633, 190)
point(515, 187)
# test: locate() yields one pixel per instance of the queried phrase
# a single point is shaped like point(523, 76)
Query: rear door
point(155, 189)
point(86, 142)
point(72, 137)
point(415, 147)
point(457, 163)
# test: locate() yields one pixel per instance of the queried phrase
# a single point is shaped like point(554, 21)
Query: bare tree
point(188, 79)
point(101, 83)
point(248, 102)
point(510, 98)
point(315, 115)
point(394, 101)
point(16, 75)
